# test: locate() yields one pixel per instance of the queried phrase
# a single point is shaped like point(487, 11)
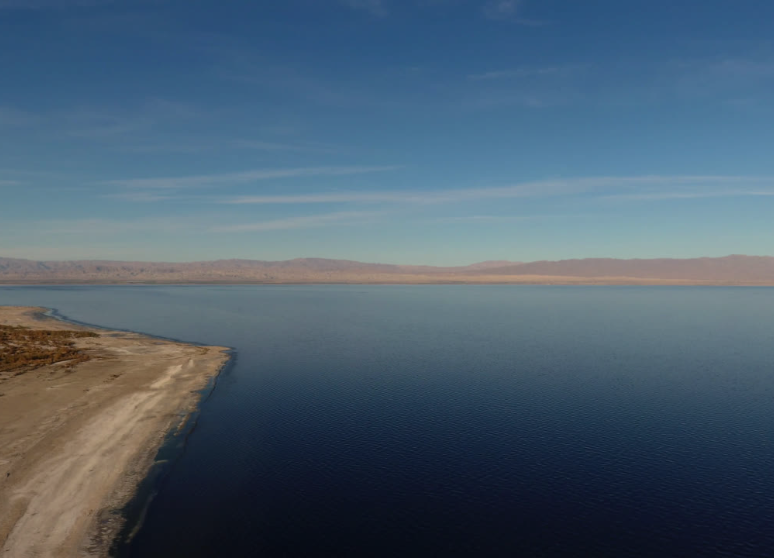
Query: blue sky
point(406, 131)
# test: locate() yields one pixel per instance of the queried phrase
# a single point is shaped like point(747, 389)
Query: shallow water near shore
point(462, 420)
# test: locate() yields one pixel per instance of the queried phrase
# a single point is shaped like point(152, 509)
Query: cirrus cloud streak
point(242, 177)
point(630, 187)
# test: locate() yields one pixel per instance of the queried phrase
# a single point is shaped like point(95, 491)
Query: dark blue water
point(463, 420)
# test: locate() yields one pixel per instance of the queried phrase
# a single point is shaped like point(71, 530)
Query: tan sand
point(75, 443)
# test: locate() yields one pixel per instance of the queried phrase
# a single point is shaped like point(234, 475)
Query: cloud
point(533, 87)
point(152, 113)
point(691, 195)
point(11, 117)
point(9, 182)
point(743, 68)
point(305, 222)
point(374, 7)
point(496, 99)
point(501, 9)
point(100, 122)
point(509, 10)
point(517, 73)
point(188, 145)
point(486, 218)
point(97, 124)
point(34, 175)
point(546, 188)
point(46, 251)
point(101, 227)
point(267, 146)
point(412, 197)
point(307, 85)
point(181, 147)
point(50, 4)
point(735, 81)
point(273, 146)
point(141, 197)
point(242, 177)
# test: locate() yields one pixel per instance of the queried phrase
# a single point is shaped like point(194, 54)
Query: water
point(463, 420)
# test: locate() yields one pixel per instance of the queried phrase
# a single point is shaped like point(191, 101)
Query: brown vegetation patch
point(23, 349)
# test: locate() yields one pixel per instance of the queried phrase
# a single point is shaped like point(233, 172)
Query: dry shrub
point(23, 349)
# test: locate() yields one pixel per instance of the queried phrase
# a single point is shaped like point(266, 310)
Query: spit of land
point(83, 412)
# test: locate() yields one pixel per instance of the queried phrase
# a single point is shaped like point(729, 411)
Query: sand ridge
point(74, 443)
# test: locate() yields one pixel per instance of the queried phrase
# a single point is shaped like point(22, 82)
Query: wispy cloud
point(9, 182)
point(267, 146)
point(90, 121)
point(151, 114)
point(517, 73)
point(80, 250)
point(737, 81)
point(274, 146)
point(100, 124)
point(11, 117)
point(526, 86)
point(309, 85)
point(242, 177)
point(192, 145)
point(140, 197)
point(691, 195)
point(410, 197)
point(100, 228)
point(509, 10)
point(185, 146)
point(501, 9)
point(374, 7)
point(546, 188)
point(362, 87)
point(744, 68)
point(113, 227)
point(33, 175)
point(486, 218)
point(305, 222)
point(50, 4)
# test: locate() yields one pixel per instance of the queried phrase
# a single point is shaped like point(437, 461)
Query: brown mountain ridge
point(728, 270)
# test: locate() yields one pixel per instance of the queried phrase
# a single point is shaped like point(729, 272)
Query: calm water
point(463, 420)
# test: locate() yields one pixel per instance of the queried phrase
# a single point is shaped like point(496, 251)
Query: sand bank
point(75, 441)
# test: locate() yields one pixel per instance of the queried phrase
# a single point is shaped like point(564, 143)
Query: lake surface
point(463, 420)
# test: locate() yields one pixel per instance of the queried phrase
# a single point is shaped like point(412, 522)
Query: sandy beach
point(75, 440)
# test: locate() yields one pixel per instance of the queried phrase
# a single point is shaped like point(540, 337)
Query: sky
point(439, 132)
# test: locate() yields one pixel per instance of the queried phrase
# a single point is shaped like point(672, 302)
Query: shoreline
point(76, 443)
point(132, 513)
point(547, 282)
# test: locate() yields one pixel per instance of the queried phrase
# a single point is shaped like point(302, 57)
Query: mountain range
point(728, 270)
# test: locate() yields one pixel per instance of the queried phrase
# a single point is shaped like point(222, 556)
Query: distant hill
point(728, 269)
point(737, 270)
